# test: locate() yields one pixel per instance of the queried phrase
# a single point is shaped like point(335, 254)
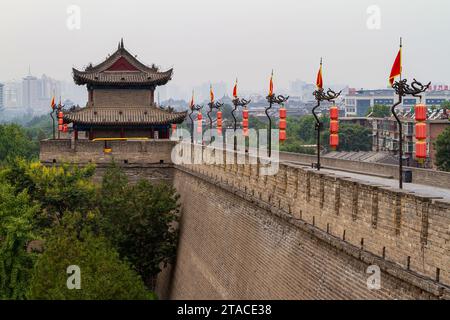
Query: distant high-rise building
point(31, 89)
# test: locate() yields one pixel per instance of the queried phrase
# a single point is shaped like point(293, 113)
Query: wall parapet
point(86, 151)
point(405, 234)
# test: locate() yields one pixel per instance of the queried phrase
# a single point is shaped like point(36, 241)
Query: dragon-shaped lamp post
point(237, 103)
point(320, 96)
point(53, 122)
point(212, 105)
point(193, 108)
point(273, 99)
point(402, 88)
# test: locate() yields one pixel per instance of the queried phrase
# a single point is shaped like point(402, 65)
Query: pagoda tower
point(121, 100)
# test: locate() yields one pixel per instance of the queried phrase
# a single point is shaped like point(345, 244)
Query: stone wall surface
point(301, 234)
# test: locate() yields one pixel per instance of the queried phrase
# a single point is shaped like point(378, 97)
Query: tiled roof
point(133, 115)
point(125, 78)
point(138, 73)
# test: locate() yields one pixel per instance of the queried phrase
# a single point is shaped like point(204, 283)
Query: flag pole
point(399, 124)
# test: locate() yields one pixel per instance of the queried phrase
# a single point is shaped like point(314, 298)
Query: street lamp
point(237, 103)
point(402, 88)
point(320, 96)
point(194, 107)
point(273, 99)
point(212, 105)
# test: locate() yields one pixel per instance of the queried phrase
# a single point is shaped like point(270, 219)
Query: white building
point(358, 102)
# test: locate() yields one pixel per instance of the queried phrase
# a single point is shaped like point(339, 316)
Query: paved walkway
point(413, 187)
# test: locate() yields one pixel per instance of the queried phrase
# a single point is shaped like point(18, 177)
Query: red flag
point(271, 85)
point(396, 67)
point(319, 80)
point(211, 93)
point(52, 103)
point(235, 89)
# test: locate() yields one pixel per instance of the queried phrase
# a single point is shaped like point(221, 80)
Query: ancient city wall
point(301, 234)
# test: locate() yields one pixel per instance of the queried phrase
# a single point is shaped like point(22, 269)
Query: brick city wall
point(423, 176)
point(301, 234)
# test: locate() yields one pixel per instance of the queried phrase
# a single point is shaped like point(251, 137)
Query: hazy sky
point(217, 40)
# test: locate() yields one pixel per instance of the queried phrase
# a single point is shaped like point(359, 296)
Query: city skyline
point(192, 39)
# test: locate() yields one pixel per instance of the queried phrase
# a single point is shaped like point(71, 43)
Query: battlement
point(86, 151)
point(407, 230)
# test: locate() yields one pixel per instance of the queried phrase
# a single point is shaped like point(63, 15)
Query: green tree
point(306, 129)
point(103, 275)
point(113, 203)
point(352, 137)
point(379, 111)
point(446, 105)
point(14, 142)
point(256, 123)
point(442, 146)
point(58, 188)
point(143, 223)
point(16, 231)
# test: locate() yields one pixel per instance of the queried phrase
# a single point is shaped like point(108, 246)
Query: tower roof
point(122, 68)
point(127, 115)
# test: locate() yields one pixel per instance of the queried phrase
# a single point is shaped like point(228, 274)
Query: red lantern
point(245, 114)
point(60, 114)
point(282, 124)
point(219, 122)
point(60, 127)
point(421, 130)
point(219, 131)
point(282, 113)
point(199, 116)
point(60, 121)
point(334, 126)
point(174, 128)
point(245, 123)
point(65, 128)
point(334, 140)
point(334, 113)
point(421, 149)
point(282, 135)
point(245, 132)
point(420, 111)
point(199, 125)
point(219, 115)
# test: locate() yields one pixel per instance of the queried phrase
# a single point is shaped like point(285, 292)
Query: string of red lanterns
point(282, 123)
point(245, 121)
point(420, 112)
point(219, 122)
point(334, 127)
